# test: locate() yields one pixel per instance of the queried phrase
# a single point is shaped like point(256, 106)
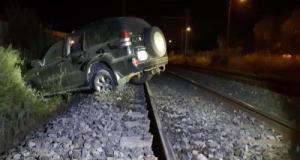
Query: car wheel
point(142, 79)
point(103, 79)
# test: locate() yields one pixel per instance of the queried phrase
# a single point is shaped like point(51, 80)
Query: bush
point(177, 58)
point(219, 59)
point(261, 62)
point(21, 108)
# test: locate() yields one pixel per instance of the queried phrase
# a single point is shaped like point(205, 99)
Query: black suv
point(101, 56)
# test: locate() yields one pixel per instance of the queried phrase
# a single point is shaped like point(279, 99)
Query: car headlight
point(142, 55)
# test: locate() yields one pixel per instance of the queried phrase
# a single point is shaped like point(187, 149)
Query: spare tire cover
point(155, 42)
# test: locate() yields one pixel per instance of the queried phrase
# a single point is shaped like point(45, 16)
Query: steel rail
point(161, 146)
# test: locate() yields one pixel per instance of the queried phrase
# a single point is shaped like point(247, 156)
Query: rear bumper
point(153, 63)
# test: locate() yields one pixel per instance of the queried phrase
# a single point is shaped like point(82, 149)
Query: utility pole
point(229, 20)
point(182, 31)
point(186, 30)
point(228, 24)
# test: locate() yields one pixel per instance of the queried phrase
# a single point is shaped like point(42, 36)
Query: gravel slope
point(110, 126)
point(201, 127)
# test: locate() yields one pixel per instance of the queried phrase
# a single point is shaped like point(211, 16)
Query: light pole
point(229, 21)
point(228, 24)
point(187, 31)
point(184, 19)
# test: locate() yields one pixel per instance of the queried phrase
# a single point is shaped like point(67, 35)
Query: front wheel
point(103, 79)
point(141, 79)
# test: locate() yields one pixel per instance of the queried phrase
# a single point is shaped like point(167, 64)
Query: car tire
point(156, 47)
point(142, 79)
point(103, 79)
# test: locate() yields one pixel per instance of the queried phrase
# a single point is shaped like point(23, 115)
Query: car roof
point(120, 20)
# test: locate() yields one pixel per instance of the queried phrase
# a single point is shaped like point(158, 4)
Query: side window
point(54, 53)
point(98, 34)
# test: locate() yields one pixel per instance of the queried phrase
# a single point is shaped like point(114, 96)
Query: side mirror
point(36, 63)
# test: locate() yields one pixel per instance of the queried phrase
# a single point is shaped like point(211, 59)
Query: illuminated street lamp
point(187, 31)
point(228, 21)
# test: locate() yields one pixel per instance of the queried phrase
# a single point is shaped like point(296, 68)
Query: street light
point(228, 21)
point(187, 30)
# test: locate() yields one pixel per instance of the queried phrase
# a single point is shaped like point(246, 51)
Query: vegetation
point(284, 66)
point(21, 108)
point(275, 51)
point(278, 34)
point(26, 33)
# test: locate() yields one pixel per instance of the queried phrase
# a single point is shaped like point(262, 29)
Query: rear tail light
point(125, 34)
point(125, 40)
point(135, 62)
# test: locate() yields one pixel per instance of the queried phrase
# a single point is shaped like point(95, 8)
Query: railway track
point(164, 146)
point(121, 125)
point(113, 125)
point(161, 145)
point(116, 126)
point(286, 128)
point(276, 84)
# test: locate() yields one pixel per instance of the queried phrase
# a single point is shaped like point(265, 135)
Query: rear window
point(109, 29)
point(134, 25)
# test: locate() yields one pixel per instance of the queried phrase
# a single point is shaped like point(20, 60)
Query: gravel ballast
point(111, 126)
point(201, 127)
point(264, 99)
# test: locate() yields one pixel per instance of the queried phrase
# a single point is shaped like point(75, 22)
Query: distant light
point(170, 41)
point(72, 41)
point(243, 1)
point(188, 29)
point(287, 56)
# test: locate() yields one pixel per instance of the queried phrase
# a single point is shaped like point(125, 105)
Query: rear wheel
point(141, 79)
point(103, 79)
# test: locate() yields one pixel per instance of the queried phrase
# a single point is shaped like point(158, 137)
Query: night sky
point(208, 18)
